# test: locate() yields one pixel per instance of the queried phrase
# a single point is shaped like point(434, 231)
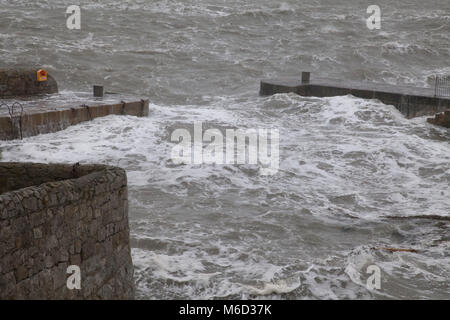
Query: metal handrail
point(442, 86)
point(14, 117)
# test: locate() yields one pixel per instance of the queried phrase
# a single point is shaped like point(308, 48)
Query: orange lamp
point(41, 75)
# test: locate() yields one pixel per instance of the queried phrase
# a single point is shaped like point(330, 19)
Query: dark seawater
point(354, 176)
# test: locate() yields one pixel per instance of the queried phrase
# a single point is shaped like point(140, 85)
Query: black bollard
point(98, 91)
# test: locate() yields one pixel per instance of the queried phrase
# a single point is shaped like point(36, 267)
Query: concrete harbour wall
point(411, 102)
point(34, 123)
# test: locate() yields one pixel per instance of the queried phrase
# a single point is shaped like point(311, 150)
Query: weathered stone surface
point(441, 119)
point(53, 216)
point(23, 82)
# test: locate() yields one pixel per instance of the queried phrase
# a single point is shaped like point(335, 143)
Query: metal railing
point(442, 86)
point(16, 118)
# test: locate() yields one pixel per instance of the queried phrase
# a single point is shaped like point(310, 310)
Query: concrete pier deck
point(411, 101)
point(52, 113)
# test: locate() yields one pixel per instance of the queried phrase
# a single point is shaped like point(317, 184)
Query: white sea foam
point(349, 167)
point(337, 157)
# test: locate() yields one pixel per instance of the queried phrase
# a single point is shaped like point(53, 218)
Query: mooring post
point(305, 76)
point(436, 86)
point(98, 91)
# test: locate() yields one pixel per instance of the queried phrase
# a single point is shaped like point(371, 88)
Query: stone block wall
point(54, 216)
point(441, 119)
point(23, 82)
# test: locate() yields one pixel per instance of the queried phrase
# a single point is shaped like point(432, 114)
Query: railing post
point(436, 85)
point(305, 76)
point(448, 86)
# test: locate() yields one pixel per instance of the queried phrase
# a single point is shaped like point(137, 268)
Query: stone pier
point(441, 119)
point(30, 104)
point(25, 82)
